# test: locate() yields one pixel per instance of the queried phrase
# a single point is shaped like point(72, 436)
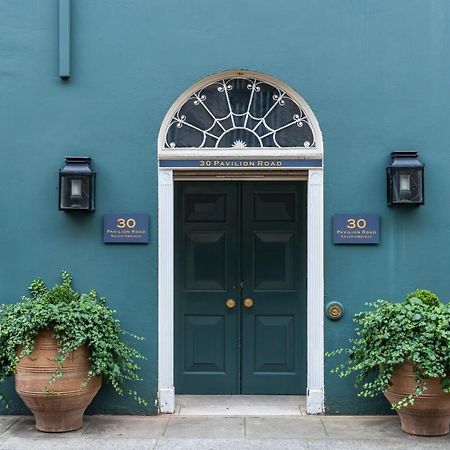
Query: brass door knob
point(248, 302)
point(230, 303)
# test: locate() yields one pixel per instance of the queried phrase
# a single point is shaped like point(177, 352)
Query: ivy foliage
point(75, 319)
point(416, 330)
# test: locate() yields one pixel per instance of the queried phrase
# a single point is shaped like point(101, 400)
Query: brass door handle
point(230, 303)
point(248, 302)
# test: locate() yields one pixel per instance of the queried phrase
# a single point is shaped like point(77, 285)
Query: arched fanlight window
point(240, 112)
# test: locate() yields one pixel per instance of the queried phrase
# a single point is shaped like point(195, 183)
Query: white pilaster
point(166, 391)
point(315, 392)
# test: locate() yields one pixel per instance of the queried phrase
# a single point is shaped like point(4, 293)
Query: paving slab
point(232, 444)
point(376, 427)
point(25, 428)
point(372, 444)
point(127, 426)
point(7, 422)
point(284, 427)
point(79, 444)
point(205, 428)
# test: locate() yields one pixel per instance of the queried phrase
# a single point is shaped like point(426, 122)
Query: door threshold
point(240, 405)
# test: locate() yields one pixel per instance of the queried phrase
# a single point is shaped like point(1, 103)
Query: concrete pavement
point(214, 432)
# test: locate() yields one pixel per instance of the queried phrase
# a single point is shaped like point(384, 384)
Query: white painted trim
point(315, 294)
point(314, 401)
point(166, 400)
point(315, 278)
point(166, 391)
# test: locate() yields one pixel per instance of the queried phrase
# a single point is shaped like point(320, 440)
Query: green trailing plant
point(75, 319)
point(416, 330)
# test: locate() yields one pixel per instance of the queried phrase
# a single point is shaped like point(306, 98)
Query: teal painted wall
point(375, 72)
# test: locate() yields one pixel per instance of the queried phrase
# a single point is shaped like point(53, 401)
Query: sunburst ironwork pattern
point(237, 113)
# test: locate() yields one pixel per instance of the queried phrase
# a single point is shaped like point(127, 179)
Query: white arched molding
point(309, 158)
point(313, 149)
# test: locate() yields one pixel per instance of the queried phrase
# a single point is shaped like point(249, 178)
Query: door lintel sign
point(217, 163)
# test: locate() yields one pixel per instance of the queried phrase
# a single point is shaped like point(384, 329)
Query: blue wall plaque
point(125, 228)
point(356, 228)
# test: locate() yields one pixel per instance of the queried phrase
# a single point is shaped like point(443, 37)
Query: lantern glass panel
point(75, 188)
point(75, 191)
point(407, 186)
point(405, 183)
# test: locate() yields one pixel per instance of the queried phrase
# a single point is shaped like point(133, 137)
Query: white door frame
point(315, 279)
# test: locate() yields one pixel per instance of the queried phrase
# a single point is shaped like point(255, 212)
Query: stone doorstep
point(240, 405)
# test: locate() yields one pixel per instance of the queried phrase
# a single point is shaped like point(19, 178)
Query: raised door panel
point(273, 261)
point(274, 344)
point(274, 206)
point(205, 260)
point(204, 207)
point(204, 344)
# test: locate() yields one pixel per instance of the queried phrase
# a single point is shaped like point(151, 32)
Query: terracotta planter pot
point(59, 406)
point(430, 414)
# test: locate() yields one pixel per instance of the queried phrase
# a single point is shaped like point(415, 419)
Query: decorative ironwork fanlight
point(405, 175)
point(77, 185)
point(240, 113)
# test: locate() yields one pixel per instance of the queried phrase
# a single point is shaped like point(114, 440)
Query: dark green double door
point(240, 287)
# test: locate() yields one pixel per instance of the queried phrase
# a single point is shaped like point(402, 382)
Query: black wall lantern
point(405, 179)
point(77, 185)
